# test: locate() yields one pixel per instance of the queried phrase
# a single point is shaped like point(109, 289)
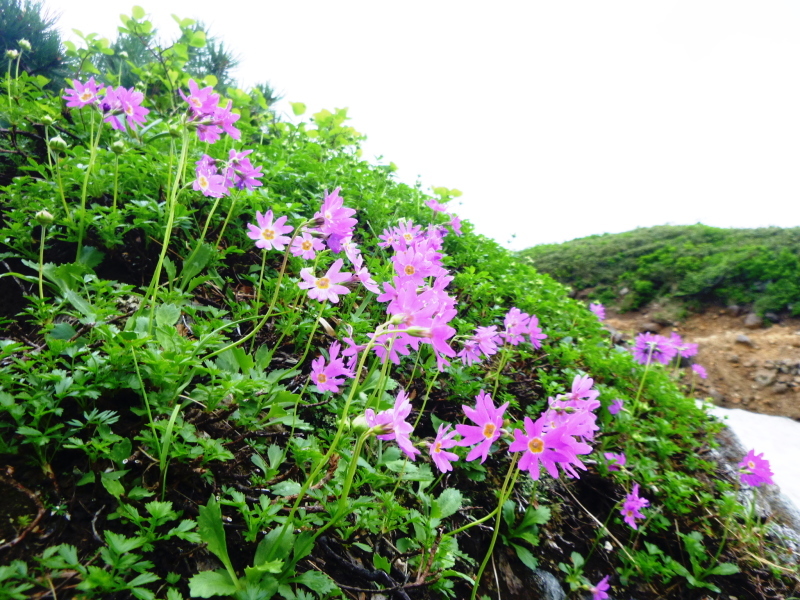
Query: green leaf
point(316, 581)
point(138, 12)
point(198, 39)
point(298, 108)
point(211, 583)
point(167, 315)
point(381, 563)
point(448, 503)
point(526, 557)
point(534, 516)
point(508, 513)
point(209, 526)
point(91, 257)
point(82, 305)
point(724, 569)
point(274, 546)
point(62, 331)
point(196, 262)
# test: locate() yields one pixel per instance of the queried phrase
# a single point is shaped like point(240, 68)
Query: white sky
point(556, 119)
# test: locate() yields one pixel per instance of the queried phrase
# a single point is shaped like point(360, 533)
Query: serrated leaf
point(448, 503)
point(62, 331)
point(196, 262)
point(381, 563)
point(526, 557)
point(167, 315)
point(211, 583)
point(316, 581)
point(209, 526)
point(79, 303)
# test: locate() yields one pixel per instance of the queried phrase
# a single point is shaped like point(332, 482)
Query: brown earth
point(756, 369)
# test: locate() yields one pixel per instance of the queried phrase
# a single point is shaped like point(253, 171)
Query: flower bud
point(24, 44)
point(48, 120)
point(122, 54)
point(421, 332)
point(359, 425)
point(118, 147)
point(12, 54)
point(58, 143)
point(174, 132)
point(43, 217)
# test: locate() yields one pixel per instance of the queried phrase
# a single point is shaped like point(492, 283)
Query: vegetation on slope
point(694, 264)
point(166, 427)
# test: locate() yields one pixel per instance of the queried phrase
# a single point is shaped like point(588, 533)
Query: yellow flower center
point(129, 110)
point(489, 429)
point(268, 234)
point(751, 465)
point(86, 96)
point(437, 447)
point(409, 270)
point(194, 101)
point(323, 283)
point(306, 245)
point(536, 445)
point(203, 181)
point(408, 237)
point(322, 378)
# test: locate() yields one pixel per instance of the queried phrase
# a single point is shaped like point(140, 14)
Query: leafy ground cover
point(239, 361)
point(693, 264)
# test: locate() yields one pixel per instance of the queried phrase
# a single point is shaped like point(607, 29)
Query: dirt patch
point(757, 369)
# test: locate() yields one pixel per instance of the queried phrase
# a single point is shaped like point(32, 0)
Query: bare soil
point(756, 369)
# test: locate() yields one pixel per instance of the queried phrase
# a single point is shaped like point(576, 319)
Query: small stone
point(753, 321)
point(736, 400)
point(771, 316)
point(734, 310)
point(743, 339)
point(780, 388)
point(764, 378)
point(716, 395)
point(732, 358)
point(650, 327)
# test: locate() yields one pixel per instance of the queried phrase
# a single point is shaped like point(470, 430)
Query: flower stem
point(95, 141)
point(505, 492)
point(311, 335)
point(41, 261)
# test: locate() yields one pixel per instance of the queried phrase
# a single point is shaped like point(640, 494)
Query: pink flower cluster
point(328, 376)
point(117, 105)
point(391, 424)
point(599, 310)
point(207, 116)
point(485, 341)
point(754, 470)
point(631, 507)
point(650, 347)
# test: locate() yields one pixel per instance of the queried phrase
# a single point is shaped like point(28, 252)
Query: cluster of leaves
point(694, 264)
point(204, 445)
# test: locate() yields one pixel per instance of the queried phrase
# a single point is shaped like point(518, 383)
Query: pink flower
point(437, 449)
point(326, 287)
point(488, 426)
point(209, 118)
point(550, 447)
point(631, 507)
point(240, 172)
point(685, 349)
point(455, 225)
point(325, 376)
point(306, 246)
point(201, 102)
point(337, 219)
point(582, 390)
point(615, 461)
point(650, 347)
point(269, 235)
point(700, 370)
point(599, 310)
point(535, 333)
point(599, 591)
point(80, 94)
point(127, 102)
point(754, 470)
point(391, 424)
point(615, 406)
point(208, 181)
point(435, 206)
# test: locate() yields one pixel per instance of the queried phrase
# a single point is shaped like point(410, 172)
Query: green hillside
point(235, 360)
point(694, 264)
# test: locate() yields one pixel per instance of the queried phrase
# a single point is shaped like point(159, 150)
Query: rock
point(734, 310)
point(751, 363)
point(650, 327)
point(624, 291)
point(771, 316)
point(617, 337)
point(716, 395)
point(544, 585)
point(663, 321)
point(764, 377)
point(743, 339)
point(780, 388)
point(753, 321)
point(732, 357)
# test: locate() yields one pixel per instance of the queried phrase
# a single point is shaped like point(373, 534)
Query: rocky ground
point(751, 364)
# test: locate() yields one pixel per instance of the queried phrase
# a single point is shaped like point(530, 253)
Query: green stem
point(311, 335)
point(171, 203)
point(641, 383)
point(504, 494)
point(256, 304)
point(41, 261)
point(501, 366)
point(95, 141)
point(146, 402)
point(116, 183)
point(227, 219)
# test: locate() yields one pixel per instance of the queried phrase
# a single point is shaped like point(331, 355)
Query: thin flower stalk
point(95, 141)
point(313, 331)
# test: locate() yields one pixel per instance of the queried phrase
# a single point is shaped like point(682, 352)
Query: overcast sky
point(556, 119)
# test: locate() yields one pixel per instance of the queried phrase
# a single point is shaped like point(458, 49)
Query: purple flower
point(650, 347)
point(328, 286)
point(599, 591)
point(535, 333)
point(444, 439)
point(685, 349)
point(550, 447)
point(306, 246)
point(240, 172)
point(631, 508)
point(325, 376)
point(201, 102)
point(269, 235)
point(208, 181)
point(337, 220)
point(516, 323)
point(700, 370)
point(615, 461)
point(435, 206)
point(488, 426)
point(209, 118)
point(391, 424)
point(455, 225)
point(615, 406)
point(599, 310)
point(80, 94)
point(754, 470)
